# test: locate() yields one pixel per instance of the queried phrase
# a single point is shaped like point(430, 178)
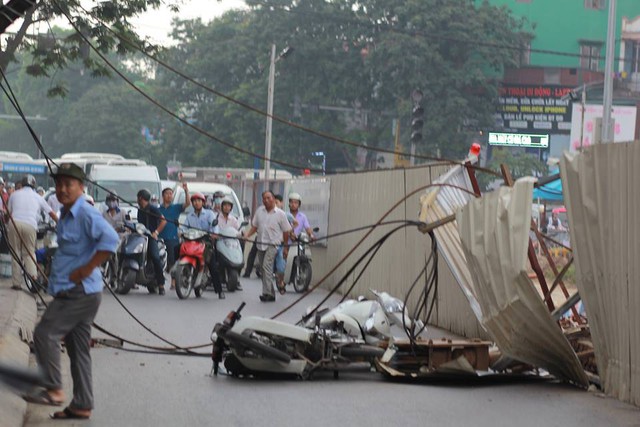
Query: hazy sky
point(157, 23)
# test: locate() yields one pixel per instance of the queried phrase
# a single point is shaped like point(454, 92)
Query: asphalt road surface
point(137, 389)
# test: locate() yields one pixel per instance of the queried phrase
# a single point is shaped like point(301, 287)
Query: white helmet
point(89, 199)
point(227, 199)
point(295, 196)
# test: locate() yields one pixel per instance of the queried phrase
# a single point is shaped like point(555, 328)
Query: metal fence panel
point(363, 198)
point(603, 206)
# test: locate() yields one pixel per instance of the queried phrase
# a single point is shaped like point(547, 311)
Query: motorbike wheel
point(110, 275)
point(302, 278)
point(185, 275)
point(232, 279)
point(259, 348)
point(128, 281)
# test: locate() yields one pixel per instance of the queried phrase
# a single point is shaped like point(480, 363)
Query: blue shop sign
point(22, 168)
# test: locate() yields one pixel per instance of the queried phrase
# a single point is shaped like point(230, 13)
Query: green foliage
point(59, 49)
point(364, 57)
point(520, 164)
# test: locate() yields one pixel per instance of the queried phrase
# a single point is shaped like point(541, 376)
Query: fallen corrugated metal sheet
point(494, 232)
point(440, 202)
point(603, 206)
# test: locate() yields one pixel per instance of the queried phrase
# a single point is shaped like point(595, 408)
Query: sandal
point(282, 290)
point(68, 414)
point(42, 398)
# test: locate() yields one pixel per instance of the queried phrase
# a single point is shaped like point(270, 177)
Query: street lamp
point(324, 160)
point(272, 76)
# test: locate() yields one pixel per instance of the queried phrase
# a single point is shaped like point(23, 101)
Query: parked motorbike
point(45, 255)
point(110, 267)
point(135, 266)
point(191, 270)
point(301, 272)
point(348, 337)
point(230, 257)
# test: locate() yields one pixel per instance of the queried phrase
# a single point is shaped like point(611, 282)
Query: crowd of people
point(88, 238)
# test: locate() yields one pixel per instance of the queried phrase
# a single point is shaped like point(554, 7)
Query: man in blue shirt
point(202, 219)
point(85, 241)
point(151, 217)
point(171, 212)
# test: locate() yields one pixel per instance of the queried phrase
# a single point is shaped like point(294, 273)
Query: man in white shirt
point(24, 209)
point(54, 203)
point(273, 230)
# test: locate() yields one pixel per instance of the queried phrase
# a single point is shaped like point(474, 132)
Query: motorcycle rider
point(151, 217)
point(171, 212)
point(24, 207)
point(203, 219)
point(295, 201)
point(216, 202)
point(227, 219)
point(114, 215)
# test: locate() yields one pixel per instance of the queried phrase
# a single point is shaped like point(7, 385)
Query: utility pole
point(267, 138)
point(607, 124)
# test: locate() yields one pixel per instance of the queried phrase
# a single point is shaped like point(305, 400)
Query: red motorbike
point(191, 271)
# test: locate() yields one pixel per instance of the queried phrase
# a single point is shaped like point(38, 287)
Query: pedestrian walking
point(85, 241)
point(273, 230)
point(24, 209)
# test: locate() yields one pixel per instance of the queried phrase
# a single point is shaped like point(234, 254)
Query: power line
point(251, 107)
point(381, 28)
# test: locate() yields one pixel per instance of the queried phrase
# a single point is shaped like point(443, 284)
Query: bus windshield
point(126, 190)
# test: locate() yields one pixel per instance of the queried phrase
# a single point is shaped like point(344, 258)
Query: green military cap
point(68, 169)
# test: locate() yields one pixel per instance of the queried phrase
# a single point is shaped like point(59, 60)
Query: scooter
point(109, 268)
point(45, 255)
point(135, 265)
point(301, 272)
point(230, 257)
point(191, 271)
point(253, 346)
point(368, 320)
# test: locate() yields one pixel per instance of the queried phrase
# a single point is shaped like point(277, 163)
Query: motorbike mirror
point(246, 211)
point(244, 223)
point(316, 229)
point(215, 222)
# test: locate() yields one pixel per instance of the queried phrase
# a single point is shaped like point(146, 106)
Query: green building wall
point(560, 26)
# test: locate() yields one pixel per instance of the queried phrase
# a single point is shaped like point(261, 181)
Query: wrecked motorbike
point(333, 342)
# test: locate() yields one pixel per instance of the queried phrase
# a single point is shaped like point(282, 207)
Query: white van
point(126, 181)
point(208, 189)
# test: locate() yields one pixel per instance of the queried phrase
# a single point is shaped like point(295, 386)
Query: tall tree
point(353, 68)
point(51, 52)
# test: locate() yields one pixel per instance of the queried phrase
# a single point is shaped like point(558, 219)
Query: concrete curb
point(22, 315)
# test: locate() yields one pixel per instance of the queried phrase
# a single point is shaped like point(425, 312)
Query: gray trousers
point(69, 318)
point(265, 260)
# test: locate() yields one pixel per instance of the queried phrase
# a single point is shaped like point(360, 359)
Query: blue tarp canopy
point(550, 191)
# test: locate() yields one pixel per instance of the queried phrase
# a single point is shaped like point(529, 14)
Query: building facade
point(565, 56)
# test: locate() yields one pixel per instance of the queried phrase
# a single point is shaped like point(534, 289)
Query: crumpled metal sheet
point(436, 204)
point(494, 232)
point(601, 195)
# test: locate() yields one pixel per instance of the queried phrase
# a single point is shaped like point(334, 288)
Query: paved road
point(134, 389)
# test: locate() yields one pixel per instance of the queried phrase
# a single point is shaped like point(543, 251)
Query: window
point(525, 53)
point(594, 4)
point(634, 48)
point(590, 56)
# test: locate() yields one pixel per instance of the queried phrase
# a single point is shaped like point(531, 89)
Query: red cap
point(307, 172)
